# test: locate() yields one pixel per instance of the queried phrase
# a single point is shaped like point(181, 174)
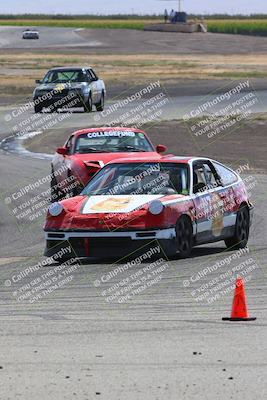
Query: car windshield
point(112, 141)
point(66, 76)
point(140, 178)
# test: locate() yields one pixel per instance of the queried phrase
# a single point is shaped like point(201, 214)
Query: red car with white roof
point(179, 202)
point(88, 150)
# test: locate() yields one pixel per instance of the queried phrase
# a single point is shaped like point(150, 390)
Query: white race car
point(30, 34)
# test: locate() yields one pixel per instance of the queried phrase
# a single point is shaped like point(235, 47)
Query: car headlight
point(156, 207)
point(55, 209)
point(39, 92)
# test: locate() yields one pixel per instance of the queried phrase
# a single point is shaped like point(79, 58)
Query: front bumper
point(61, 101)
point(109, 244)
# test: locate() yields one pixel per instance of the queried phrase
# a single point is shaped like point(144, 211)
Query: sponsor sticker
point(111, 133)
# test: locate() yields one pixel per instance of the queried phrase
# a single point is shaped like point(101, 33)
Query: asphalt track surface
point(11, 38)
point(117, 41)
point(163, 343)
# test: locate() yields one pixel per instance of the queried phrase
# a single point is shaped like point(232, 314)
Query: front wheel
point(240, 238)
point(184, 237)
point(100, 105)
point(38, 108)
point(88, 105)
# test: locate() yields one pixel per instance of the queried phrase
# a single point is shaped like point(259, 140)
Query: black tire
point(184, 236)
point(88, 105)
point(62, 260)
point(240, 238)
point(53, 109)
point(74, 191)
point(55, 196)
point(101, 104)
point(38, 108)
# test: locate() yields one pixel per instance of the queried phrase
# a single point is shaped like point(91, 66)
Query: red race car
point(179, 202)
point(88, 150)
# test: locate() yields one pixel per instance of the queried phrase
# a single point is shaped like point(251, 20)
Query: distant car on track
point(69, 87)
point(88, 150)
point(180, 202)
point(30, 34)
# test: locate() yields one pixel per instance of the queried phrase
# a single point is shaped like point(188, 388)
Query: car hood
point(61, 86)
point(104, 158)
point(112, 212)
point(116, 203)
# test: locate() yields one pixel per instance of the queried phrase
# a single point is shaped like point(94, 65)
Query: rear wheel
point(184, 237)
point(100, 105)
point(240, 238)
point(88, 105)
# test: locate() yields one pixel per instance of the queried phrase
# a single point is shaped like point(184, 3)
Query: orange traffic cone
point(239, 308)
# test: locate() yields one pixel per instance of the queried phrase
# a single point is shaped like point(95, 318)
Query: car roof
point(106, 128)
point(68, 68)
point(168, 158)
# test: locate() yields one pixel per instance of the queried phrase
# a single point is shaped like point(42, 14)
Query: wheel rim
point(183, 236)
point(242, 226)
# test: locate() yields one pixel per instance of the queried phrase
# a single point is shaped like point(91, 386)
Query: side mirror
point(94, 79)
point(62, 150)
point(38, 81)
point(161, 148)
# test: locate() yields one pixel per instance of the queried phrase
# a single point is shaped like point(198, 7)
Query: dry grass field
point(18, 71)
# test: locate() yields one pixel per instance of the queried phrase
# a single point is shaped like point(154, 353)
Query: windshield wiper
point(128, 147)
point(93, 150)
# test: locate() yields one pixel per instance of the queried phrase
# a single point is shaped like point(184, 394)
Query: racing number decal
point(114, 204)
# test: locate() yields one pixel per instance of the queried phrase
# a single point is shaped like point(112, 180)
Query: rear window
point(227, 176)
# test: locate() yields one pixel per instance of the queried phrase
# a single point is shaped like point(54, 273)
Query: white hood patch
point(116, 204)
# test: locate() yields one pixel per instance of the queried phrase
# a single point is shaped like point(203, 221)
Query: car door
point(99, 85)
point(209, 207)
point(202, 202)
point(94, 86)
point(226, 192)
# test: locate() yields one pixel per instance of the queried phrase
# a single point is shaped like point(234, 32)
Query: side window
point(93, 74)
point(226, 175)
point(210, 177)
point(203, 177)
point(89, 75)
point(53, 77)
point(69, 144)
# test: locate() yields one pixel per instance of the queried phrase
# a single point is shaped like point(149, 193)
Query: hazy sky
point(129, 6)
